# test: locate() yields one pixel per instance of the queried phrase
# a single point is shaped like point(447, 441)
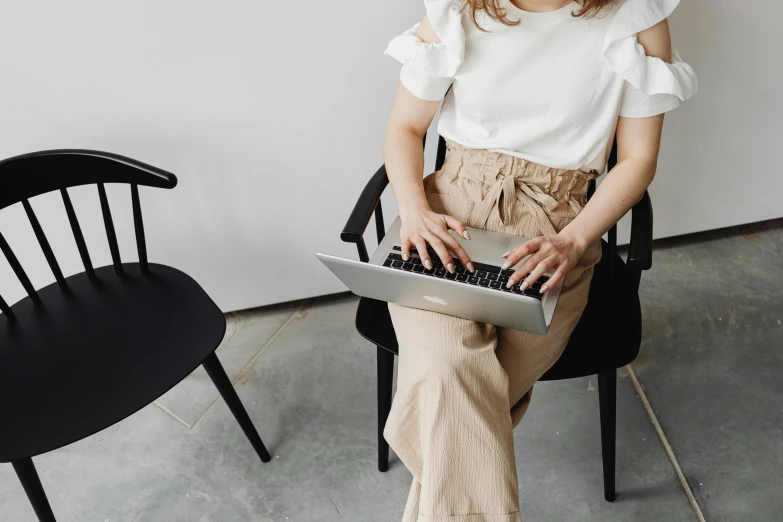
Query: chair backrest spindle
point(138, 223)
point(440, 157)
point(16, 266)
point(364, 257)
point(44, 244)
point(111, 235)
point(77, 234)
point(612, 163)
point(6, 309)
point(380, 228)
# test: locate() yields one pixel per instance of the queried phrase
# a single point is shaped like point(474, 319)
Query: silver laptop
point(481, 296)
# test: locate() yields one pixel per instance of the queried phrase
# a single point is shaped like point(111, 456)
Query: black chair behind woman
point(91, 349)
point(607, 337)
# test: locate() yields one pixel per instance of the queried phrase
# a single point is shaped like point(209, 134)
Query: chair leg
point(25, 470)
point(385, 378)
point(223, 384)
point(607, 396)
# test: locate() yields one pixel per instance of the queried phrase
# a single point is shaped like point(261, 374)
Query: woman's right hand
point(421, 227)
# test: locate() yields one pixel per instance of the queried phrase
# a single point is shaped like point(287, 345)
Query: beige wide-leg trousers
point(463, 386)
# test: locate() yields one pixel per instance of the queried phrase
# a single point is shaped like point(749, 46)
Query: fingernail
point(506, 254)
point(405, 256)
point(506, 265)
point(451, 268)
point(523, 285)
point(544, 289)
point(510, 283)
point(466, 235)
point(470, 268)
point(428, 264)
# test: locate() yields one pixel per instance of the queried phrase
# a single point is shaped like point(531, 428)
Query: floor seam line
point(666, 446)
point(254, 360)
point(172, 414)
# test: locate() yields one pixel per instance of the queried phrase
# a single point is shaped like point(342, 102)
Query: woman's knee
point(458, 372)
point(450, 354)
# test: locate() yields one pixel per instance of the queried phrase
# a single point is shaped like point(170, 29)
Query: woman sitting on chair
point(537, 92)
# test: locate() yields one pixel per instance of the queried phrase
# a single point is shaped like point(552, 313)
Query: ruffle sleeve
point(428, 69)
point(654, 86)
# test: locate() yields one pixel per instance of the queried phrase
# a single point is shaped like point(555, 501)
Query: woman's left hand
point(559, 253)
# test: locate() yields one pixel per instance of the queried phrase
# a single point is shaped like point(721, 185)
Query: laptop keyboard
point(488, 276)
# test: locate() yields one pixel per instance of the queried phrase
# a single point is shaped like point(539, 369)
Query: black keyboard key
point(451, 276)
point(494, 284)
point(507, 272)
point(505, 288)
point(482, 274)
point(430, 251)
point(388, 262)
point(436, 263)
point(543, 279)
point(533, 293)
point(395, 257)
point(503, 279)
point(418, 269)
point(407, 266)
point(460, 269)
point(395, 247)
point(415, 260)
point(430, 272)
point(397, 264)
point(473, 280)
point(536, 286)
point(484, 282)
point(440, 272)
point(517, 290)
point(462, 277)
point(492, 277)
point(486, 268)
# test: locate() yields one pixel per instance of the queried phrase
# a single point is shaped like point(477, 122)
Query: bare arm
point(404, 148)
point(404, 155)
point(638, 143)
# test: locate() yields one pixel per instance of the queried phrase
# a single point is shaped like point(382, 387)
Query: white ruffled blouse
point(548, 90)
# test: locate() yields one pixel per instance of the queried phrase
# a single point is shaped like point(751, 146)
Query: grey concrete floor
point(710, 364)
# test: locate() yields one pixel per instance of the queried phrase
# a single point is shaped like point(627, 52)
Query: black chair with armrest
point(89, 350)
point(607, 337)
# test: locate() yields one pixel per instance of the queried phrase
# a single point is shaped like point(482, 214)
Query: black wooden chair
point(91, 349)
point(607, 337)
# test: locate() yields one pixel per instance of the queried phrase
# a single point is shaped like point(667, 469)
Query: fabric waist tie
point(510, 191)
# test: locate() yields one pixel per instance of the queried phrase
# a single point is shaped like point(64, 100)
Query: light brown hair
point(493, 9)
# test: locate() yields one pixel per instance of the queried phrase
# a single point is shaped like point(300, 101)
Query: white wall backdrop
point(272, 114)
point(719, 163)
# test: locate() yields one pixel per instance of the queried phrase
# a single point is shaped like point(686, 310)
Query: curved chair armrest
point(29, 175)
point(640, 248)
point(363, 211)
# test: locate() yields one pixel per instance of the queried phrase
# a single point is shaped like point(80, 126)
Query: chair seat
point(608, 335)
point(91, 357)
